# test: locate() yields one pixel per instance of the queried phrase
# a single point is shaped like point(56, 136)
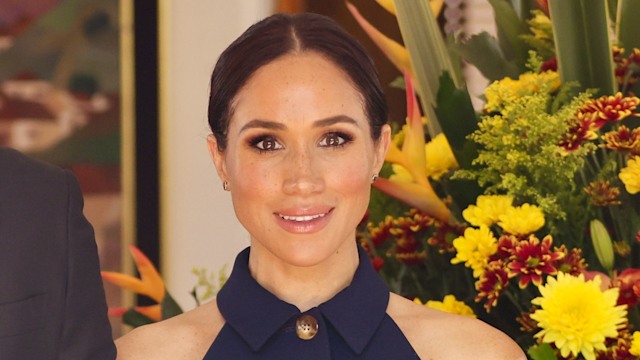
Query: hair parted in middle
point(283, 34)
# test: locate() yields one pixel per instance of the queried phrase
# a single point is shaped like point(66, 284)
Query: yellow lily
point(436, 6)
point(150, 282)
point(418, 193)
point(396, 53)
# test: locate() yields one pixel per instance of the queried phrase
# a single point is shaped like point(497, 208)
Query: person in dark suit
point(52, 303)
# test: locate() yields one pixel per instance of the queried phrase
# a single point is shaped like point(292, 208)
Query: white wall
point(198, 226)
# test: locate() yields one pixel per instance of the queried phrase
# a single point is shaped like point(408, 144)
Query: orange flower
point(602, 193)
point(623, 139)
point(609, 108)
point(532, 259)
point(150, 282)
point(581, 129)
point(492, 283)
point(572, 262)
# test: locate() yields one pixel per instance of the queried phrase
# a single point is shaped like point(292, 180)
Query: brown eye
point(334, 139)
point(267, 143)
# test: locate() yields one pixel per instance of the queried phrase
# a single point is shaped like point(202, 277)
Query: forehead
point(299, 79)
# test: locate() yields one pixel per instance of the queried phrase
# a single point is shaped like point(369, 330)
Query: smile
point(304, 223)
point(302, 218)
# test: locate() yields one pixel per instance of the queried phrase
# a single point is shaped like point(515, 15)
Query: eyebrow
point(272, 125)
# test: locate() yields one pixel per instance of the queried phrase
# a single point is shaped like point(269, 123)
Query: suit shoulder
point(28, 174)
point(18, 163)
point(436, 334)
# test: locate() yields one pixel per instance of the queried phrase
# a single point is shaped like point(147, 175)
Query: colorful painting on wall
point(60, 91)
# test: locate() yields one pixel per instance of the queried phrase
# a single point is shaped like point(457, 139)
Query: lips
point(304, 221)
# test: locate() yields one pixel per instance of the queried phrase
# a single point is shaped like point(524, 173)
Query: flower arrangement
point(527, 213)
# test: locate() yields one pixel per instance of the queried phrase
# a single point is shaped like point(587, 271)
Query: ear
point(218, 157)
point(381, 147)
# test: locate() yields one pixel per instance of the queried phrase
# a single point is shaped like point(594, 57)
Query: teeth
point(301, 218)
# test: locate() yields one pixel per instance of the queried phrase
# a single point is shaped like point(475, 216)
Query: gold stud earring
point(225, 185)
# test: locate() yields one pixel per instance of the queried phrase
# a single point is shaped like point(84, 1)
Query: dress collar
point(253, 312)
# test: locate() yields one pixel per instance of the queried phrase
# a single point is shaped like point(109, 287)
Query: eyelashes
point(269, 143)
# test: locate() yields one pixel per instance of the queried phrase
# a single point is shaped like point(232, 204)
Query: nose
point(302, 174)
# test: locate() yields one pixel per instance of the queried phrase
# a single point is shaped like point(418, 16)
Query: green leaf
point(483, 51)
point(522, 8)
point(627, 24)
point(170, 307)
point(542, 352)
point(583, 48)
point(428, 52)
point(510, 29)
point(458, 121)
point(135, 319)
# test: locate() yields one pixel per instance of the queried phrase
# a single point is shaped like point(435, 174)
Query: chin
point(306, 252)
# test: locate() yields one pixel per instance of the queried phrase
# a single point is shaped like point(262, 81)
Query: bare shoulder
point(439, 335)
point(186, 336)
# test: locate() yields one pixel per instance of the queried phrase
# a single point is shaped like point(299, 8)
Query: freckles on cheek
point(254, 177)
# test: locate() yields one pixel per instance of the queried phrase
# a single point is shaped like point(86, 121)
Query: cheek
point(351, 178)
point(251, 177)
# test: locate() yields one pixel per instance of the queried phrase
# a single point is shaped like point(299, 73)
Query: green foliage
point(542, 352)
point(484, 52)
point(520, 155)
point(208, 284)
point(170, 307)
point(135, 319)
point(510, 32)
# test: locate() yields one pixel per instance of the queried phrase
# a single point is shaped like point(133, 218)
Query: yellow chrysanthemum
point(439, 156)
point(487, 210)
point(502, 92)
point(635, 344)
point(449, 304)
point(474, 249)
point(522, 220)
point(630, 175)
point(576, 315)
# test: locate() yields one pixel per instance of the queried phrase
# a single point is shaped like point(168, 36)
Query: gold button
point(306, 327)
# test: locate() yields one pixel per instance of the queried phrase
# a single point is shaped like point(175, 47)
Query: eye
point(335, 139)
point(266, 143)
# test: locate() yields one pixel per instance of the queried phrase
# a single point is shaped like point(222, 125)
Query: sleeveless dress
point(352, 325)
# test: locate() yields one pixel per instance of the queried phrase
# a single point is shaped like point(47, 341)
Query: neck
point(304, 286)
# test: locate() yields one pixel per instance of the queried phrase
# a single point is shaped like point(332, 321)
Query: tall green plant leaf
point(627, 24)
point(522, 8)
point(510, 30)
point(583, 48)
point(428, 52)
point(455, 106)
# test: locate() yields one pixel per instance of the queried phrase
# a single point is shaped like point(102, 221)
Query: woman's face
point(299, 158)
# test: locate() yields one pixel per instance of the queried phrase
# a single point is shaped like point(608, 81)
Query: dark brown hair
point(281, 34)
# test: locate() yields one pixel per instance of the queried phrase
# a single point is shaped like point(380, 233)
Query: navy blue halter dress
point(352, 325)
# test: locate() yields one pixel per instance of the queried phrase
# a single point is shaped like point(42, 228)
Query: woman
point(299, 133)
